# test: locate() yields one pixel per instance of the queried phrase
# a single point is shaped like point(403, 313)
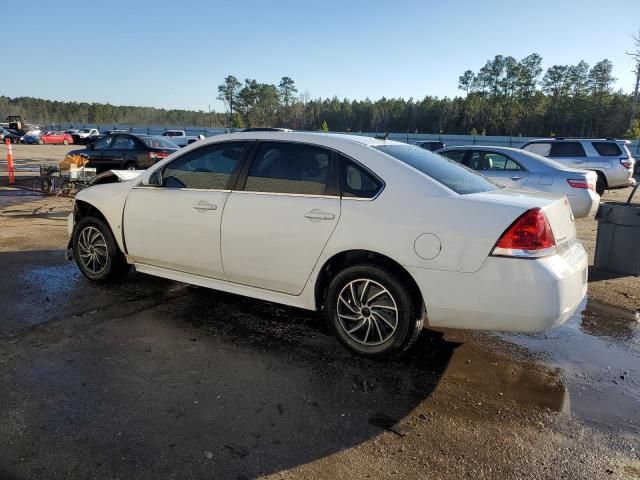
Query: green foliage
point(237, 121)
point(474, 132)
point(633, 133)
point(324, 127)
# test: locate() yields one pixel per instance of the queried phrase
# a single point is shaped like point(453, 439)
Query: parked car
point(180, 137)
point(12, 135)
point(373, 232)
point(57, 138)
point(31, 137)
point(515, 168)
point(124, 151)
point(85, 135)
point(431, 145)
point(71, 131)
point(608, 157)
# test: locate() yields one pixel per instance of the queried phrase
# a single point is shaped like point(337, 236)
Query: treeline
point(504, 97)
point(47, 112)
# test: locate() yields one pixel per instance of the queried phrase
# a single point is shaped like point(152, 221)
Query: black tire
point(390, 342)
point(131, 166)
point(601, 184)
point(115, 265)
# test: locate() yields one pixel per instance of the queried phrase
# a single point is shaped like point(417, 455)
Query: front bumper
point(507, 294)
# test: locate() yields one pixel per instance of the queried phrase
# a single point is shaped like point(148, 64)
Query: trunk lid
point(555, 207)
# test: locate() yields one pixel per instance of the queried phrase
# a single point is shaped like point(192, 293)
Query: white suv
point(608, 157)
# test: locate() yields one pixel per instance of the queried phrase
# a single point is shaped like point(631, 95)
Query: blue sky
point(174, 54)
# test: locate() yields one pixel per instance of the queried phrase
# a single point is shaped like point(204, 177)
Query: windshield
point(451, 174)
point(159, 142)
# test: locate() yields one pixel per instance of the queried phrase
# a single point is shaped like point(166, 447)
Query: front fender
point(109, 199)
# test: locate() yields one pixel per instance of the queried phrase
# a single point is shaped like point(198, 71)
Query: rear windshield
point(158, 142)
point(457, 177)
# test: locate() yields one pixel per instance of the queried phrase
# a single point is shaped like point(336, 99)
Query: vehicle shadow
point(596, 274)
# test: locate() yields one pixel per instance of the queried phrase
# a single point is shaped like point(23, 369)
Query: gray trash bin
point(618, 241)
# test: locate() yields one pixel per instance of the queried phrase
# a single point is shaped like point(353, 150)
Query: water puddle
point(597, 352)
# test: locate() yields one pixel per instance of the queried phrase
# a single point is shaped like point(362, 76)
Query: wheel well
point(84, 209)
point(349, 258)
point(604, 178)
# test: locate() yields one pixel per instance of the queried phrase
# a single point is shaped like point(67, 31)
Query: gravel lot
point(156, 379)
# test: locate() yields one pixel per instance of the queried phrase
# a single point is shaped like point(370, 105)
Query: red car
point(55, 138)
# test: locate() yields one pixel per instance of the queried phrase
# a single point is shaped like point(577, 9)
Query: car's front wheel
point(372, 311)
point(96, 252)
point(65, 142)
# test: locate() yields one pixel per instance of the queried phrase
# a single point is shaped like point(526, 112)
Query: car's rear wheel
point(41, 142)
point(96, 252)
point(372, 311)
point(601, 184)
point(131, 166)
point(65, 142)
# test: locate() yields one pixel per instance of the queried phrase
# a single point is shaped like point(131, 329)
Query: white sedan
point(516, 168)
point(379, 234)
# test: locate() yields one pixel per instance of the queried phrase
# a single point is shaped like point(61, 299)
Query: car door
point(569, 153)
point(97, 154)
point(277, 223)
point(503, 169)
point(176, 224)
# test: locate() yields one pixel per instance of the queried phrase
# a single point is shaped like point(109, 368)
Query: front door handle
point(317, 214)
point(516, 178)
point(204, 205)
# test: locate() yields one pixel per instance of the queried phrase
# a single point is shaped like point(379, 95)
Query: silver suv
point(608, 157)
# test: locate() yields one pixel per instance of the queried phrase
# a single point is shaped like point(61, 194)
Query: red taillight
point(158, 155)
point(529, 236)
point(578, 183)
point(626, 163)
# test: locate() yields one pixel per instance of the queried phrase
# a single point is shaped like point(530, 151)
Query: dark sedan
point(124, 151)
point(12, 135)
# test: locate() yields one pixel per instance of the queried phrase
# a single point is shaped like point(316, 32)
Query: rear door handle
point(204, 205)
point(516, 178)
point(317, 214)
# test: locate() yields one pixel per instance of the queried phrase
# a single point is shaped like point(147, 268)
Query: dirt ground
point(156, 379)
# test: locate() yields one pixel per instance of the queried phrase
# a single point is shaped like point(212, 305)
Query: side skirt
point(236, 288)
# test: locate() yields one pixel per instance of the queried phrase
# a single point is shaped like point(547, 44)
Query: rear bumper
point(619, 177)
point(507, 294)
point(585, 203)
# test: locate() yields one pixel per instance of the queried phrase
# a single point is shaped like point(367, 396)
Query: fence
point(451, 140)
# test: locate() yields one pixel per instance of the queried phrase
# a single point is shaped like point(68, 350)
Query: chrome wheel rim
point(367, 312)
point(92, 248)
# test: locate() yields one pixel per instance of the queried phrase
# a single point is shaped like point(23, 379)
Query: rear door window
point(607, 149)
point(206, 168)
point(567, 149)
point(498, 161)
point(123, 143)
point(449, 173)
point(540, 148)
point(295, 168)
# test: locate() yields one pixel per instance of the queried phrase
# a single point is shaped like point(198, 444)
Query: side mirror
point(152, 180)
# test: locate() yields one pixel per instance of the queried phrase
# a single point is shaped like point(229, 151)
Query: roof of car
point(481, 147)
point(304, 137)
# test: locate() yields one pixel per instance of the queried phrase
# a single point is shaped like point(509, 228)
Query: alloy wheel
point(92, 248)
point(367, 312)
